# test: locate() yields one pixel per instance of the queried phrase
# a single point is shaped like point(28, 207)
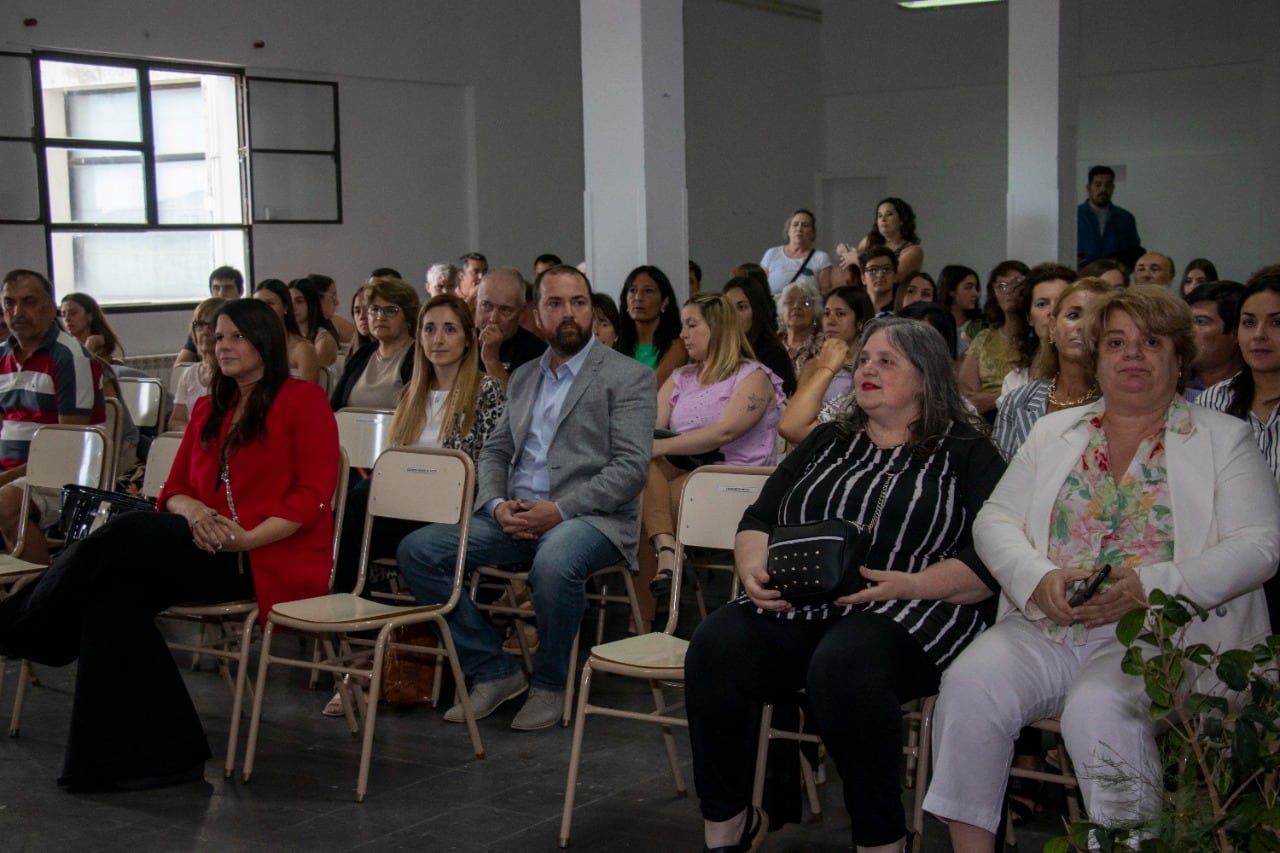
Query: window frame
point(335, 152)
point(41, 144)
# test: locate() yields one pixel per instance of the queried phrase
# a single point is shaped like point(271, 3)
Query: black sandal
point(1026, 800)
point(661, 583)
point(753, 832)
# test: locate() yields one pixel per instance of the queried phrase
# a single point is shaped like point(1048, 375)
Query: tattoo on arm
point(754, 401)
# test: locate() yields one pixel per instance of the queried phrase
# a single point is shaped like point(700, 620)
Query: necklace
point(1067, 404)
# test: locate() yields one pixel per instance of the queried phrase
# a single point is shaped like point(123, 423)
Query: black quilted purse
point(818, 562)
point(85, 509)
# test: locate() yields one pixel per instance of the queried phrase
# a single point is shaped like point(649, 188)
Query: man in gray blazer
point(560, 479)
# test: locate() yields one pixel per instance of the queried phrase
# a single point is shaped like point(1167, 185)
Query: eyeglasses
point(797, 303)
point(1011, 284)
point(200, 325)
point(382, 310)
point(878, 270)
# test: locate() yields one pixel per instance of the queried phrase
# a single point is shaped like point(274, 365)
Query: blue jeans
point(561, 562)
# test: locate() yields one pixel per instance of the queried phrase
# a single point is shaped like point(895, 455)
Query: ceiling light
point(937, 4)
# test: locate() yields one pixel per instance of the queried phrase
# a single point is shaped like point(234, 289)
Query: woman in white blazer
point(1194, 512)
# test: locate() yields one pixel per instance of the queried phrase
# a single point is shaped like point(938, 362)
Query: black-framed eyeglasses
point(878, 270)
point(200, 325)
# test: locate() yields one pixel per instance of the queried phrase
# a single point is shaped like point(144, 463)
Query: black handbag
point(816, 563)
point(688, 462)
point(84, 509)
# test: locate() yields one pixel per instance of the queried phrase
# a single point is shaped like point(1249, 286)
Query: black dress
point(857, 664)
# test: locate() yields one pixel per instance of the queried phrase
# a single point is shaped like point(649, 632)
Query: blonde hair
point(1155, 311)
point(460, 405)
point(1046, 365)
point(727, 348)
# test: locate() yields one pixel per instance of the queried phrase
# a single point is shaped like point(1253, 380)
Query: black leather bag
point(84, 510)
point(816, 563)
point(688, 462)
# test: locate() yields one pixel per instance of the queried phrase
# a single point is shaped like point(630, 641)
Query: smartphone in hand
point(1091, 586)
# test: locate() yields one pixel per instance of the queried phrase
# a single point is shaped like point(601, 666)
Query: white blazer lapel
point(1190, 463)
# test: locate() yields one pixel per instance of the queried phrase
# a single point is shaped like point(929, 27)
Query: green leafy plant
point(1221, 753)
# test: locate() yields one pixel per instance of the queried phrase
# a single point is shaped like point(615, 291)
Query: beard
point(569, 338)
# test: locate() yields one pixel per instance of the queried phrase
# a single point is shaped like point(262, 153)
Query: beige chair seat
point(351, 611)
point(655, 651)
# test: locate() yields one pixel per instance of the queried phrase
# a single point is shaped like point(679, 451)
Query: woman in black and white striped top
point(867, 653)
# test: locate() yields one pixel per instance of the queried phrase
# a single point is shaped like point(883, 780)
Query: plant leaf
point(1232, 674)
point(1130, 625)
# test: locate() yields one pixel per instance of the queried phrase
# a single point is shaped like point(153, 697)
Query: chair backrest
point(144, 399)
point(63, 453)
point(424, 484)
point(712, 502)
point(163, 450)
point(113, 429)
point(364, 434)
point(339, 504)
point(176, 372)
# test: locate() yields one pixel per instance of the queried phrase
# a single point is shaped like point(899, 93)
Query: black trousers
point(857, 671)
point(131, 717)
point(387, 533)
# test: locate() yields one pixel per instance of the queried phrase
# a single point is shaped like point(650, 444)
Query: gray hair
point(806, 285)
point(941, 401)
point(443, 270)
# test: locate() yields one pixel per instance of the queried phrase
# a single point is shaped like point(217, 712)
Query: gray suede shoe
point(541, 710)
point(486, 696)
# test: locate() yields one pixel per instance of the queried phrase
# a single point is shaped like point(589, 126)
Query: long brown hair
point(261, 327)
point(460, 406)
point(98, 324)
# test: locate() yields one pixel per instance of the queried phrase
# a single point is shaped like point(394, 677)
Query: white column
point(1043, 120)
point(635, 208)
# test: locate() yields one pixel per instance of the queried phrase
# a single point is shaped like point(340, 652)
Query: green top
point(646, 354)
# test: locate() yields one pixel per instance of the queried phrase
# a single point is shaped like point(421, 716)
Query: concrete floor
point(427, 792)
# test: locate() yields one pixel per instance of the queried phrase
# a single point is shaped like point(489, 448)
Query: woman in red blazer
point(245, 511)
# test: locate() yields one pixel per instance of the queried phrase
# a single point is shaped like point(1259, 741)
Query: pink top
point(694, 406)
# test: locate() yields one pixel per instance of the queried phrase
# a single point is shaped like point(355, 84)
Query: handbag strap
point(800, 269)
point(884, 495)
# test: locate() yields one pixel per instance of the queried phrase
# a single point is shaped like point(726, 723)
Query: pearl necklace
point(1067, 404)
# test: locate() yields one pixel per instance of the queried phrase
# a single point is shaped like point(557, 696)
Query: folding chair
point(175, 375)
point(915, 751)
point(414, 483)
point(59, 454)
point(113, 429)
point(226, 627)
point(145, 400)
point(509, 581)
point(364, 434)
point(711, 505)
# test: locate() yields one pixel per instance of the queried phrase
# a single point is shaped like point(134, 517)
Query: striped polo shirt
point(58, 378)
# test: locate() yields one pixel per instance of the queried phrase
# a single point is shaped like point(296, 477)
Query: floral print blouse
point(1106, 517)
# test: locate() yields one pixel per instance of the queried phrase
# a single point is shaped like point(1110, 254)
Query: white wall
point(753, 108)
point(1180, 93)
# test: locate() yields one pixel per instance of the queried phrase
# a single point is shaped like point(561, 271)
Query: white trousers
point(1012, 675)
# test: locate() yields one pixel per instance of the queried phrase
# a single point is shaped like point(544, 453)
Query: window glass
point(197, 145)
point(144, 266)
point(294, 187)
point(17, 113)
point(84, 101)
point(95, 185)
point(19, 182)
